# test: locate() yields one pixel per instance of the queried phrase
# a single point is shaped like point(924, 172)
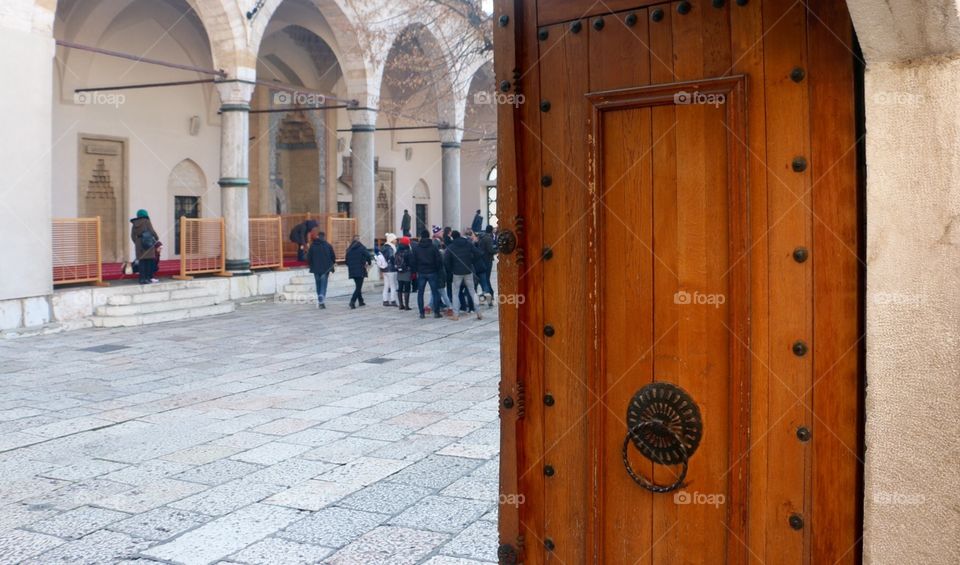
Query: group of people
point(452, 264)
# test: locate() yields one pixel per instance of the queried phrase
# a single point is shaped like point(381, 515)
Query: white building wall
point(25, 252)
point(155, 123)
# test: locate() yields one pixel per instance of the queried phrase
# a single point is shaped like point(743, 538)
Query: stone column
point(235, 97)
point(450, 148)
point(362, 152)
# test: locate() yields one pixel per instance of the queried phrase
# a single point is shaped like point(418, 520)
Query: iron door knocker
point(664, 424)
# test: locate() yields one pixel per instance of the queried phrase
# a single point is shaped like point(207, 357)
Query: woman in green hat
point(145, 240)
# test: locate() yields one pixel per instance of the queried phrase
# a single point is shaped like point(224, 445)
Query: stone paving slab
point(250, 444)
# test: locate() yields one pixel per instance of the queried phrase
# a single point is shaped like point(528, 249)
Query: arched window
point(491, 186)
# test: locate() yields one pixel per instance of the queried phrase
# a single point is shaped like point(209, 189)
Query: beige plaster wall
point(912, 466)
point(25, 252)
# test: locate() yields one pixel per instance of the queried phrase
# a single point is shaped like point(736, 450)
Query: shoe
point(479, 315)
point(438, 315)
point(422, 316)
point(323, 306)
point(154, 280)
point(353, 306)
point(455, 317)
point(394, 303)
point(385, 303)
point(362, 303)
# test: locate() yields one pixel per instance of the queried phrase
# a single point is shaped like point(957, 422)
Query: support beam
point(235, 98)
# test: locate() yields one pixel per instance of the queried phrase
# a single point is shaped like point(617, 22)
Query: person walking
point(357, 259)
point(145, 242)
point(322, 261)
point(300, 234)
point(460, 257)
point(387, 252)
point(405, 224)
point(427, 262)
point(477, 224)
point(402, 263)
point(488, 249)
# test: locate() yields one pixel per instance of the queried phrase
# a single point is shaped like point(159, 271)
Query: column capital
point(235, 94)
point(450, 136)
point(362, 119)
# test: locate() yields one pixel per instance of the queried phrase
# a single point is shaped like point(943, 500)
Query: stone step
point(163, 316)
point(153, 307)
point(160, 296)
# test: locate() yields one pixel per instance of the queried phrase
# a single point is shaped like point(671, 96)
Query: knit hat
point(141, 213)
point(405, 241)
point(391, 237)
point(436, 229)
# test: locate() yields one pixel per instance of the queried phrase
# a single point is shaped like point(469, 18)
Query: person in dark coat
point(477, 224)
point(403, 264)
point(300, 234)
point(322, 261)
point(405, 224)
point(357, 259)
point(460, 257)
point(145, 241)
point(427, 263)
point(487, 249)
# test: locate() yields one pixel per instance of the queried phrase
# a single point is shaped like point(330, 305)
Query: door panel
point(670, 160)
point(669, 227)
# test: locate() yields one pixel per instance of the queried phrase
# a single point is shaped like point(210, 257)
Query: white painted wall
point(155, 123)
point(25, 254)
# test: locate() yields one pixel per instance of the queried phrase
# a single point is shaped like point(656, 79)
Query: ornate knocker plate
point(506, 242)
point(664, 424)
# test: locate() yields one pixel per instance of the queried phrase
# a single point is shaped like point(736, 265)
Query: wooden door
point(682, 184)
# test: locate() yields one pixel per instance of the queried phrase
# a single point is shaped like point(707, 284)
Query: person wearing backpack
point(404, 272)
point(389, 270)
point(145, 242)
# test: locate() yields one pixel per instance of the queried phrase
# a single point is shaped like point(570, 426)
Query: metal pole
point(139, 59)
point(146, 85)
point(283, 110)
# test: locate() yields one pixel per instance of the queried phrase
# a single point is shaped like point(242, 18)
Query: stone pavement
point(276, 434)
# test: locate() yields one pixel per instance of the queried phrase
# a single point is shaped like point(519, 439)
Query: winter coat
point(426, 258)
point(487, 249)
point(358, 257)
point(477, 223)
point(137, 227)
point(460, 256)
point(321, 257)
point(405, 223)
point(388, 252)
point(301, 232)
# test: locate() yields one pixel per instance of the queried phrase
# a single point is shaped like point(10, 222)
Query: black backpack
point(400, 260)
point(148, 239)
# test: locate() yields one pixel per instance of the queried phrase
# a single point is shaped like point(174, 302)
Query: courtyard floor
point(278, 434)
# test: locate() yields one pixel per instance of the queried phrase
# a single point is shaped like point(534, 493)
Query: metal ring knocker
point(664, 424)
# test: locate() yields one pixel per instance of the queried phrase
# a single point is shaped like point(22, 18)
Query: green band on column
point(233, 181)
point(450, 145)
point(235, 108)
